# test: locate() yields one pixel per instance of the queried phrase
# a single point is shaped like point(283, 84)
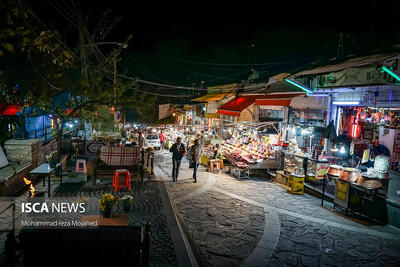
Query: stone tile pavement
point(147, 207)
point(277, 228)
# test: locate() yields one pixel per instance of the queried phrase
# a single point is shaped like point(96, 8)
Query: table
point(356, 198)
point(47, 170)
point(241, 172)
point(347, 184)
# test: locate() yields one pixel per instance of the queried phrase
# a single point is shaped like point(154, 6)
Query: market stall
point(253, 146)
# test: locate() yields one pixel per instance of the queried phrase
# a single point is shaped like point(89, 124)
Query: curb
point(186, 250)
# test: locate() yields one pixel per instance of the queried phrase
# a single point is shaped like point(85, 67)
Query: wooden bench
point(101, 246)
point(110, 158)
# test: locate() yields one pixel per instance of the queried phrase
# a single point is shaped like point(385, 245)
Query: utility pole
point(115, 81)
point(82, 47)
point(340, 45)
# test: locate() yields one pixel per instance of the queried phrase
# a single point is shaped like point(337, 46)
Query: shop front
point(252, 147)
point(357, 144)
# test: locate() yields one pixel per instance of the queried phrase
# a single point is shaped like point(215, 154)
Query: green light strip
point(391, 73)
point(300, 86)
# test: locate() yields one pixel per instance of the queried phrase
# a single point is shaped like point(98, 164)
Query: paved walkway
point(257, 223)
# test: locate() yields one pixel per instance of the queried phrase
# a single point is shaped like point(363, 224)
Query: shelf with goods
point(251, 153)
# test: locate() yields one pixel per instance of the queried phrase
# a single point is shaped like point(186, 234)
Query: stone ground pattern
point(301, 241)
point(147, 207)
point(314, 244)
point(226, 230)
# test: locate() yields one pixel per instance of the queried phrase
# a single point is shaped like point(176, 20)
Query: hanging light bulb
point(342, 150)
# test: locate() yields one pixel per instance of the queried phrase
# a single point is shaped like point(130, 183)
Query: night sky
point(172, 43)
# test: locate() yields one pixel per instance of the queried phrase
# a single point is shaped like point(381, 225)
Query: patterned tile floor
point(147, 207)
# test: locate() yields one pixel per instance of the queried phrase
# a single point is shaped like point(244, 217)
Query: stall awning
point(236, 105)
point(188, 107)
point(211, 97)
point(311, 102)
point(350, 63)
point(275, 99)
point(212, 115)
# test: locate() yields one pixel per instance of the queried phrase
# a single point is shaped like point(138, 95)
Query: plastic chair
point(80, 165)
point(127, 180)
point(215, 165)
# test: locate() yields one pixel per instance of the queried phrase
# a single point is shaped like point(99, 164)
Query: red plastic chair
point(127, 180)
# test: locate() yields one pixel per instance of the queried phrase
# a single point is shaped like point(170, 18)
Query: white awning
point(273, 107)
point(311, 102)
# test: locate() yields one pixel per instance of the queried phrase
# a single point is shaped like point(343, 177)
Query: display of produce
point(316, 169)
point(247, 150)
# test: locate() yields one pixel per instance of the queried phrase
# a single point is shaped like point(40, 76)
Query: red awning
point(236, 105)
point(9, 110)
point(275, 99)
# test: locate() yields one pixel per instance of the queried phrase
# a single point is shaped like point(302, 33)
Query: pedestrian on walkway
point(161, 136)
point(196, 151)
point(178, 151)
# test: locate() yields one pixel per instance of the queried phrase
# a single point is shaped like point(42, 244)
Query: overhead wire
point(41, 75)
point(226, 64)
point(74, 19)
point(72, 16)
point(63, 14)
point(216, 77)
point(45, 26)
point(156, 94)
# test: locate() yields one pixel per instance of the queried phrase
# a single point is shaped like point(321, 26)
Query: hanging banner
point(163, 111)
point(212, 107)
point(354, 76)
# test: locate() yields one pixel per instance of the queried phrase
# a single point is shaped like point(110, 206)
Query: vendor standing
point(378, 149)
point(217, 152)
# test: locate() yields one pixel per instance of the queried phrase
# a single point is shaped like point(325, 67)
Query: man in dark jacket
point(178, 151)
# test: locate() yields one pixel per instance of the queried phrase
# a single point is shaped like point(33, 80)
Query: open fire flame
point(31, 188)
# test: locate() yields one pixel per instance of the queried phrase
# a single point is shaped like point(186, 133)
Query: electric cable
point(226, 64)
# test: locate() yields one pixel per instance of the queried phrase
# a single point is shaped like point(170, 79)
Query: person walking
point(178, 150)
point(196, 151)
point(161, 136)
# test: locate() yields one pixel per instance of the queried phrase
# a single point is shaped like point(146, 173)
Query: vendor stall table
point(351, 196)
point(241, 171)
